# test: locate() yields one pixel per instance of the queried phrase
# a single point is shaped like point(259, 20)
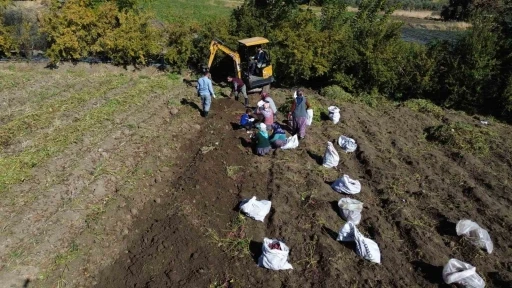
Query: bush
point(77, 29)
point(462, 137)
point(424, 106)
point(7, 43)
point(335, 92)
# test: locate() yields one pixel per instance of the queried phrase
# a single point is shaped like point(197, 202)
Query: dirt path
point(410, 192)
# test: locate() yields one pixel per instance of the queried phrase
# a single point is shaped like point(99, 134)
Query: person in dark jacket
point(239, 88)
point(299, 113)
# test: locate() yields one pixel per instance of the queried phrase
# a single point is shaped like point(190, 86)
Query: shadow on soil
point(431, 273)
point(255, 248)
point(191, 104)
point(318, 158)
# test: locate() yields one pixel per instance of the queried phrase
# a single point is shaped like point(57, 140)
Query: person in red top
point(239, 87)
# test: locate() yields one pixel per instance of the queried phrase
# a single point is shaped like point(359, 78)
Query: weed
point(69, 255)
point(424, 106)
point(309, 249)
point(462, 137)
point(232, 171)
point(173, 76)
point(235, 244)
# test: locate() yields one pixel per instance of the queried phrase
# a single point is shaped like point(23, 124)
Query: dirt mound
point(414, 192)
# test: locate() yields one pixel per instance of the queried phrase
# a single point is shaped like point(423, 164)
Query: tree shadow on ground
point(255, 248)
point(431, 273)
point(319, 159)
point(191, 104)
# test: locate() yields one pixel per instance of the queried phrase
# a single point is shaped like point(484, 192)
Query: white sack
point(365, 247)
point(310, 117)
point(463, 274)
point(347, 144)
point(350, 209)
point(346, 185)
point(476, 234)
point(274, 259)
point(334, 114)
point(260, 103)
point(331, 157)
point(291, 143)
point(255, 209)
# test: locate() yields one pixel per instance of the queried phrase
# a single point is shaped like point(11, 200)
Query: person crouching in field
point(246, 120)
point(278, 138)
point(299, 113)
point(261, 140)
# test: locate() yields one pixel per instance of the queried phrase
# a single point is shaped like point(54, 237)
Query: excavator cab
point(252, 61)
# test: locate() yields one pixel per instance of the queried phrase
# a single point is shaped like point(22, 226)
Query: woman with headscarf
point(267, 113)
point(266, 97)
point(278, 138)
point(299, 113)
point(261, 140)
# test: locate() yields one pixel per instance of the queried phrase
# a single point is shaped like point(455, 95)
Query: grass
point(424, 106)
point(235, 243)
point(462, 137)
point(232, 171)
point(17, 168)
point(195, 10)
point(48, 112)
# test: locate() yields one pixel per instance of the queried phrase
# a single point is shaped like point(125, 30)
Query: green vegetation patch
point(462, 137)
point(16, 168)
point(195, 10)
point(424, 106)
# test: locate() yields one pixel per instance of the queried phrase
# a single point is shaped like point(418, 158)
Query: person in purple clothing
point(299, 113)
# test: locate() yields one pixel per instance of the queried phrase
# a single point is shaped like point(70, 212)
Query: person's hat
point(262, 126)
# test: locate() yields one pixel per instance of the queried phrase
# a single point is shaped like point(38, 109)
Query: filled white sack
point(309, 119)
point(347, 144)
point(365, 247)
point(255, 209)
point(476, 234)
point(291, 143)
point(334, 114)
point(346, 185)
point(350, 209)
point(331, 157)
point(274, 259)
point(463, 274)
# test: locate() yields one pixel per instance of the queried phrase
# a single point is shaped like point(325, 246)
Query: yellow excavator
point(256, 72)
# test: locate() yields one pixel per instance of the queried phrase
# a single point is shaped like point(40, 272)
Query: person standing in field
point(239, 87)
point(299, 113)
point(205, 91)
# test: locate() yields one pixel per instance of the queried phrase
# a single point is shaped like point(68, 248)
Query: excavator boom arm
point(216, 45)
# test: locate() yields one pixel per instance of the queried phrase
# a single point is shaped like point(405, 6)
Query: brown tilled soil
point(414, 192)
